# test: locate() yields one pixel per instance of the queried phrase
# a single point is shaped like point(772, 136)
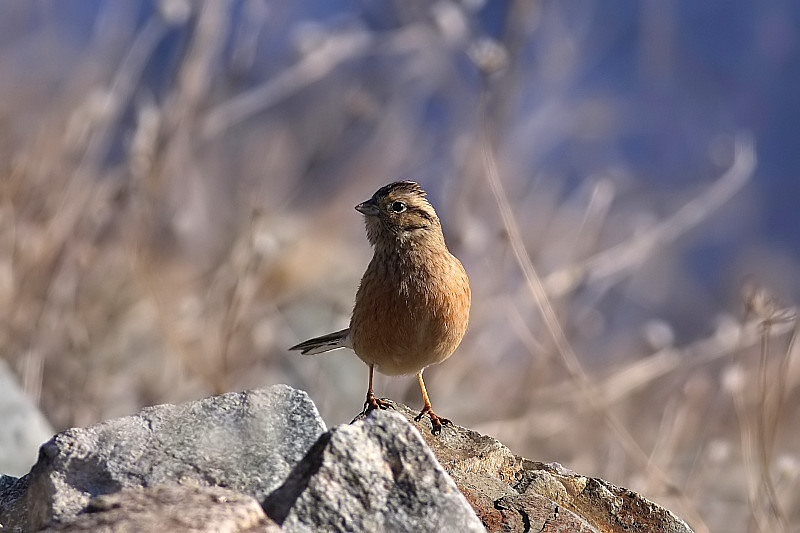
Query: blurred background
point(618, 178)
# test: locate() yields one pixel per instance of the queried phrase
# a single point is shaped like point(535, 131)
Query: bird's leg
point(372, 402)
point(436, 421)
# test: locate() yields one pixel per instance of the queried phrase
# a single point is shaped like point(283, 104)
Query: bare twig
point(314, 66)
point(759, 435)
point(618, 260)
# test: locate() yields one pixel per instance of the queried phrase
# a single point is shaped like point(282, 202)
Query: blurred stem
point(571, 362)
point(767, 419)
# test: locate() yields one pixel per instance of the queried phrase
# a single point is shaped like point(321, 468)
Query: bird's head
point(400, 212)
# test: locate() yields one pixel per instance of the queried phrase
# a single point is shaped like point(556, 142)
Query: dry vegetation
point(176, 210)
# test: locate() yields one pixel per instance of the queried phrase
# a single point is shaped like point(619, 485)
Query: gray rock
point(12, 500)
point(205, 465)
point(247, 441)
point(172, 508)
point(24, 427)
point(374, 475)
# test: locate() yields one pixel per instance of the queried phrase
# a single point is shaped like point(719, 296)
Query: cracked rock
point(374, 475)
point(262, 461)
point(173, 508)
point(248, 442)
point(511, 493)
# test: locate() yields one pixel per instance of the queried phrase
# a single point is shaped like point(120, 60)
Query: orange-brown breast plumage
point(410, 312)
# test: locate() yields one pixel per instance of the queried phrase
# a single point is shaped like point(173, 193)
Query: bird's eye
point(398, 207)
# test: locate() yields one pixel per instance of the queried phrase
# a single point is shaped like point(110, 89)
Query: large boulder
point(247, 442)
point(374, 475)
point(511, 493)
point(263, 461)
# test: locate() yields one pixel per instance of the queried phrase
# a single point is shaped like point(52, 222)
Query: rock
point(510, 493)
point(206, 466)
point(24, 427)
point(173, 508)
point(248, 442)
point(374, 475)
point(12, 500)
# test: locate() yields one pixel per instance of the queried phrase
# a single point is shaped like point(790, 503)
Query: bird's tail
point(331, 341)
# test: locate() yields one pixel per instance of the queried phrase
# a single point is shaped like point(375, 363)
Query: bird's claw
point(374, 403)
point(436, 421)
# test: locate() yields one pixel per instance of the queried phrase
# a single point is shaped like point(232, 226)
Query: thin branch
point(313, 67)
point(622, 258)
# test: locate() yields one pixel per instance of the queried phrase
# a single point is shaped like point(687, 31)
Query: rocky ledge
point(263, 461)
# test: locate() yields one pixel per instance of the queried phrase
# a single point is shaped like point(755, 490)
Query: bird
point(412, 306)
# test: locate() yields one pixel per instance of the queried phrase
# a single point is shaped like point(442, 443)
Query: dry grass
point(167, 232)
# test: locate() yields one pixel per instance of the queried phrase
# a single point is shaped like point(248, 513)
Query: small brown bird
point(412, 306)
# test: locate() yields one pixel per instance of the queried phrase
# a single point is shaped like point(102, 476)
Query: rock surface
point(207, 465)
point(374, 475)
point(248, 442)
point(172, 508)
point(510, 493)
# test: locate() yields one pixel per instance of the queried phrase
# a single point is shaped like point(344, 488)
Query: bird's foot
point(436, 421)
point(374, 403)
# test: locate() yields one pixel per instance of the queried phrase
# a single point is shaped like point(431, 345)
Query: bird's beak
point(368, 208)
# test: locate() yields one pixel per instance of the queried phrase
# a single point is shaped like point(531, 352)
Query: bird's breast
point(408, 314)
